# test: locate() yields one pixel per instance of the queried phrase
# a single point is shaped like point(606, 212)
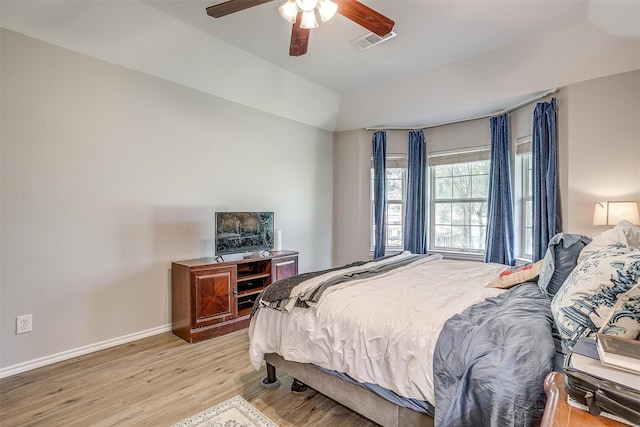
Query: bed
point(419, 339)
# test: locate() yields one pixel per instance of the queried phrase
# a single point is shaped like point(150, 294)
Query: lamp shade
point(309, 20)
point(289, 11)
point(611, 213)
point(327, 9)
point(307, 5)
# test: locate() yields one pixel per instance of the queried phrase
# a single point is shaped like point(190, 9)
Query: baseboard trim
point(80, 351)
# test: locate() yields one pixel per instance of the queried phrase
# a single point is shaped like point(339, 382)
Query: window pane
point(394, 189)
point(468, 237)
point(477, 237)
point(481, 167)
point(461, 187)
point(528, 241)
point(478, 212)
point(442, 170)
point(459, 213)
point(479, 186)
point(443, 188)
point(394, 173)
point(527, 231)
point(458, 237)
point(526, 175)
point(394, 235)
point(461, 169)
point(528, 218)
point(443, 213)
point(443, 236)
point(372, 184)
point(394, 213)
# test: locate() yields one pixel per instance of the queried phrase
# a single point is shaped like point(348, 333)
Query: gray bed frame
point(359, 399)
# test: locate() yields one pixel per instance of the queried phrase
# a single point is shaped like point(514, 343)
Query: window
point(396, 172)
point(524, 199)
point(458, 203)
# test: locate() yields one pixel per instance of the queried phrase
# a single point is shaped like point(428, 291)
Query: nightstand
point(558, 413)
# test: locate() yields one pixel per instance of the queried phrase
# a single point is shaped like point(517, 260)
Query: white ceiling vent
point(370, 40)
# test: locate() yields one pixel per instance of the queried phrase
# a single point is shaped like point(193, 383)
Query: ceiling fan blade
point(299, 38)
point(363, 15)
point(231, 6)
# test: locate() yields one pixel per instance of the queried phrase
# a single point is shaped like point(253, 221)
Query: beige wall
point(352, 211)
point(598, 155)
point(109, 174)
point(604, 146)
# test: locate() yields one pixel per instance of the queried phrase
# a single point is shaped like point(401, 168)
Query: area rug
point(235, 412)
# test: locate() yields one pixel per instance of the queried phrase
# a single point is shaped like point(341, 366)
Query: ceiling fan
point(302, 14)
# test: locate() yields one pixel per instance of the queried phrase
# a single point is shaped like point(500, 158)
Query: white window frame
point(438, 159)
point(523, 196)
point(393, 161)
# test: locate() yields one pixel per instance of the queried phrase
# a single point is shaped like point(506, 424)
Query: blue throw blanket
point(490, 361)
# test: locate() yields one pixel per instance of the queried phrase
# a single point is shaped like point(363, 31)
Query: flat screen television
point(238, 232)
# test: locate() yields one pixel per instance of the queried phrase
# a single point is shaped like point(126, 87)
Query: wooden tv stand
point(211, 298)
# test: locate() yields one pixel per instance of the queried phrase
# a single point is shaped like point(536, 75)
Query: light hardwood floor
point(158, 381)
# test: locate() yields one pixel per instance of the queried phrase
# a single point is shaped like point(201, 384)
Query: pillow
point(585, 301)
point(624, 320)
point(515, 275)
point(624, 232)
point(560, 260)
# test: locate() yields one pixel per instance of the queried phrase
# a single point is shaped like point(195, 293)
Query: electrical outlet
point(24, 324)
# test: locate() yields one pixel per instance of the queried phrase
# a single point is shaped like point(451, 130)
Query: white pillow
point(624, 232)
point(585, 300)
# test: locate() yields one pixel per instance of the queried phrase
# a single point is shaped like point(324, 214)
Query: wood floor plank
point(158, 381)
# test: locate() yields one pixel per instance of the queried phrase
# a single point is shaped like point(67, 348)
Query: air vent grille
point(370, 40)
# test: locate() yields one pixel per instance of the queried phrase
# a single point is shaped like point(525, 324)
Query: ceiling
point(244, 56)
point(429, 33)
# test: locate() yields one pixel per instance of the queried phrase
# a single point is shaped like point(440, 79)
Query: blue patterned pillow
point(585, 301)
point(624, 320)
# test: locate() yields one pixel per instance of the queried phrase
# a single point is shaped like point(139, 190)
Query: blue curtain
point(499, 243)
point(415, 231)
point(546, 218)
point(379, 149)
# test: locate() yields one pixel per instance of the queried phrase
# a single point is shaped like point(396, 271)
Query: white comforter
point(381, 330)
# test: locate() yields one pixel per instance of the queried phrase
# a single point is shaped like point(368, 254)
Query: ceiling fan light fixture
point(307, 5)
point(289, 11)
point(327, 9)
point(309, 20)
point(353, 10)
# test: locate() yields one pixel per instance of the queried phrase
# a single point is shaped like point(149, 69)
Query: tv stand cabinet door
point(213, 295)
point(284, 267)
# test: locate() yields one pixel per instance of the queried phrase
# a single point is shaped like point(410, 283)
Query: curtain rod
point(484, 116)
